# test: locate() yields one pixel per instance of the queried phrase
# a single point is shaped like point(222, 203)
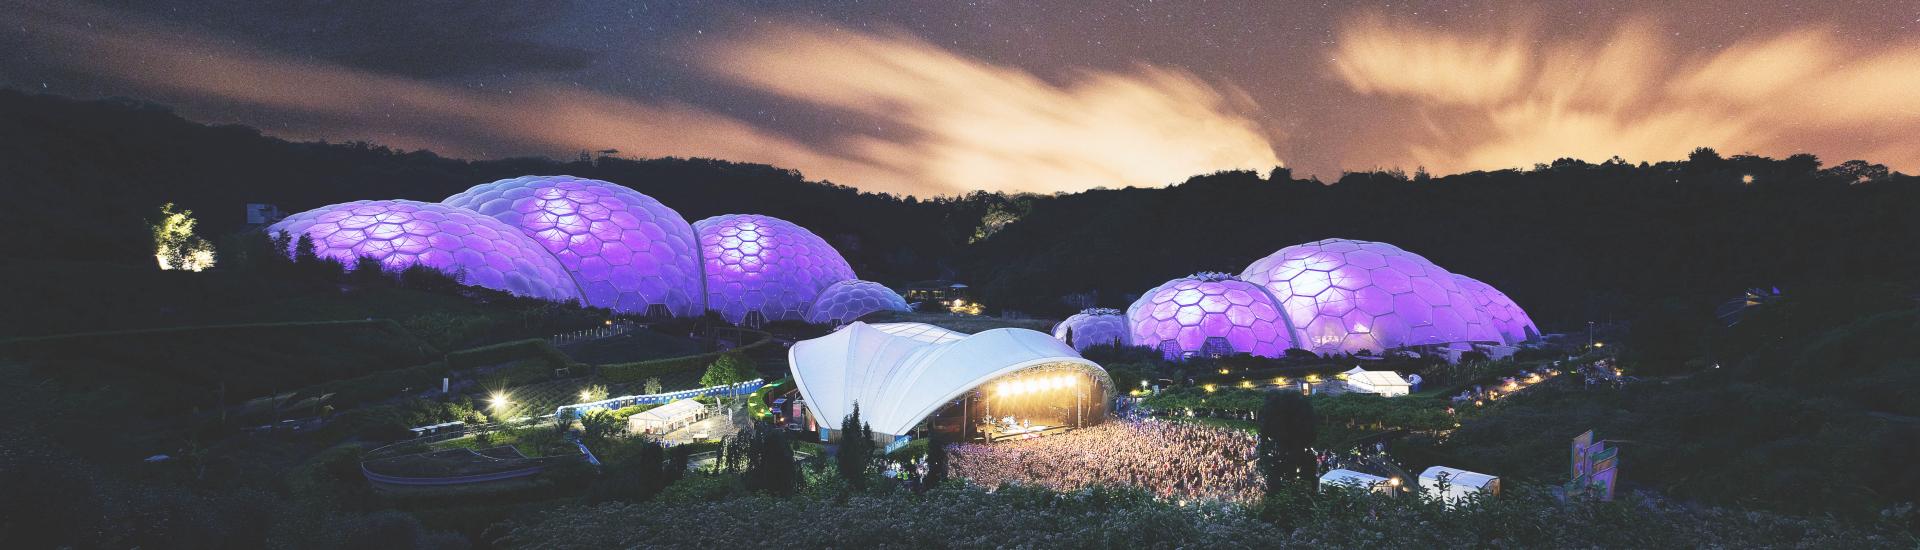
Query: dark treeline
point(1571, 241)
point(86, 175)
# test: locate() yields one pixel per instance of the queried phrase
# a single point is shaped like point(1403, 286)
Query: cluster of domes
point(565, 238)
point(1329, 296)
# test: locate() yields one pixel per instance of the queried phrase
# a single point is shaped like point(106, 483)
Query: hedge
point(622, 373)
point(508, 351)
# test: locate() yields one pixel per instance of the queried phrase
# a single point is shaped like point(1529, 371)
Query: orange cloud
point(1511, 99)
point(972, 125)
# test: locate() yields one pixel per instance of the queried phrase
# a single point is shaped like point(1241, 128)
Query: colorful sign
point(1595, 468)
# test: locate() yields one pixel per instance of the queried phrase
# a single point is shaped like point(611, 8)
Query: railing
point(742, 388)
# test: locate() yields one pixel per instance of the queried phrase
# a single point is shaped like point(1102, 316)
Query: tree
point(369, 272)
point(770, 466)
point(596, 425)
point(937, 461)
point(856, 449)
point(651, 387)
point(593, 392)
point(1286, 439)
point(174, 244)
point(730, 368)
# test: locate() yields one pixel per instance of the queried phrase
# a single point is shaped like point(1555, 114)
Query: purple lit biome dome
point(402, 233)
point(628, 252)
point(848, 300)
point(1346, 296)
point(1507, 318)
point(765, 264)
point(1095, 327)
point(1209, 314)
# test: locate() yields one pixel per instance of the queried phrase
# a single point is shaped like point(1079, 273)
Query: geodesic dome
point(851, 299)
point(1501, 312)
point(765, 264)
point(402, 233)
point(1095, 327)
point(1345, 296)
point(1209, 314)
point(626, 250)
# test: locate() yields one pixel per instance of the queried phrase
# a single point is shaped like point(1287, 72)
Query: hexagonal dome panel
point(765, 264)
point(1208, 313)
point(1347, 296)
point(848, 300)
point(1095, 327)
point(402, 233)
point(627, 251)
point(1507, 318)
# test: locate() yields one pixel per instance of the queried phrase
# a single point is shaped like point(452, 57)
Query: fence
point(603, 331)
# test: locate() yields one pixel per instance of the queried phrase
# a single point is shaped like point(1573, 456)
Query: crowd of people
point(1175, 461)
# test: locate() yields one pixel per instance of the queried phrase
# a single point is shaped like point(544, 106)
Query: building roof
point(900, 373)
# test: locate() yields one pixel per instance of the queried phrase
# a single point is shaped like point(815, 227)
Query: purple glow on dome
point(402, 233)
point(1507, 318)
point(1209, 313)
point(626, 250)
point(1345, 296)
point(845, 301)
point(765, 264)
point(1095, 327)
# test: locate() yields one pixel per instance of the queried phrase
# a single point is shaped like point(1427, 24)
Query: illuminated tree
point(174, 244)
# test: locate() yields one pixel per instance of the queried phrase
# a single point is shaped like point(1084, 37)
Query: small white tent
point(1460, 483)
point(668, 417)
point(1384, 382)
point(1357, 480)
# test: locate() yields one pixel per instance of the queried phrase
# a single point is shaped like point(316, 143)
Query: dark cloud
point(418, 39)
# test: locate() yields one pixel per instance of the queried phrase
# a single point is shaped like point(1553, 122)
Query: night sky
point(944, 97)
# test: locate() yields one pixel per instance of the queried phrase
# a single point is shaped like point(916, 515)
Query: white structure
point(1460, 483)
point(900, 373)
point(1358, 480)
point(668, 417)
point(1384, 382)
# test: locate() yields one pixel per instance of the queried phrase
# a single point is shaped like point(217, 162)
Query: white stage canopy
point(900, 373)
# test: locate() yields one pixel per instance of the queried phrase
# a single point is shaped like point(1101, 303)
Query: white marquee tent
point(1460, 483)
point(668, 417)
point(1359, 480)
point(1384, 382)
point(900, 373)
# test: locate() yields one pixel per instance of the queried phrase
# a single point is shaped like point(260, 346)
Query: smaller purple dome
point(1095, 327)
point(849, 300)
point(767, 265)
point(402, 233)
point(1209, 314)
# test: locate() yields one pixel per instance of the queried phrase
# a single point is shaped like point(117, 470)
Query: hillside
point(1571, 241)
